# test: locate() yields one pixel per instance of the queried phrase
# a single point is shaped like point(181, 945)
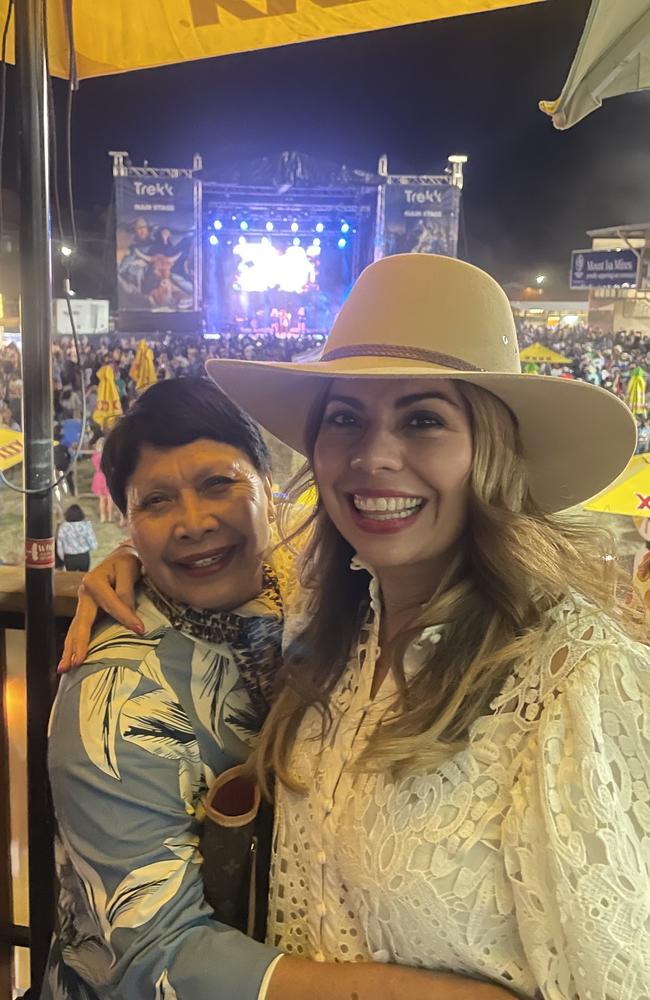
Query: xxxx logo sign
point(205, 13)
point(644, 501)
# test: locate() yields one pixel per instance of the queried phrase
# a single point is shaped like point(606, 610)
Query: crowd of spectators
point(606, 360)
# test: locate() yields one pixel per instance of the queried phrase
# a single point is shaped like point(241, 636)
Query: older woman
point(139, 732)
point(461, 743)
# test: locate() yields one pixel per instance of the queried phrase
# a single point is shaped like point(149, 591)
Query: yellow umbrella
point(108, 407)
point(113, 36)
point(11, 448)
point(635, 395)
point(142, 370)
point(543, 355)
point(629, 494)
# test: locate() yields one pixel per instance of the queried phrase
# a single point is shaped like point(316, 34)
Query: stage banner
point(422, 218)
point(156, 223)
point(603, 268)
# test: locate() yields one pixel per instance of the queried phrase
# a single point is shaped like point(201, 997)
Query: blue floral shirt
point(136, 736)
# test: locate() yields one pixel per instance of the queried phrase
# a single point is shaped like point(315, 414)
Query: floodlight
point(345, 227)
point(342, 244)
point(66, 251)
point(269, 227)
point(294, 227)
point(218, 224)
point(214, 240)
point(319, 227)
point(243, 225)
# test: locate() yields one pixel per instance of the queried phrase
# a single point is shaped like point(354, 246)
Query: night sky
point(468, 84)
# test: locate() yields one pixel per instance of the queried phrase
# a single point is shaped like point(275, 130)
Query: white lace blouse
point(525, 859)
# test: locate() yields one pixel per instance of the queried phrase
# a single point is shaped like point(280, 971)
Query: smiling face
point(392, 461)
point(199, 516)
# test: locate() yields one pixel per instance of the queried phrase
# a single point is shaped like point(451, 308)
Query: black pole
point(36, 320)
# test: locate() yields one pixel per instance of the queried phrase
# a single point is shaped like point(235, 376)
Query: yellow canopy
point(11, 448)
point(629, 494)
point(543, 355)
point(112, 36)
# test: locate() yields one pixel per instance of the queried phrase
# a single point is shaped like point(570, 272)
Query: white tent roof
point(613, 58)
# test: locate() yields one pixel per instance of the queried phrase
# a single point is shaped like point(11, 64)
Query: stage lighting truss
point(313, 230)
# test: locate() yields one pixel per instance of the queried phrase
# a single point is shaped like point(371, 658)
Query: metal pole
point(36, 320)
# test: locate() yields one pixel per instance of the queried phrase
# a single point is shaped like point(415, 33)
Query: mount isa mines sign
point(603, 268)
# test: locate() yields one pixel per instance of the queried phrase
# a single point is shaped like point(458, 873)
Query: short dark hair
point(74, 513)
point(173, 413)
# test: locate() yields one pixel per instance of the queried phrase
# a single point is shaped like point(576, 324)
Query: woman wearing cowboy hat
point(461, 744)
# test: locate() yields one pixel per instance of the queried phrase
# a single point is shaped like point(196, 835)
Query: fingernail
point(60, 669)
point(140, 629)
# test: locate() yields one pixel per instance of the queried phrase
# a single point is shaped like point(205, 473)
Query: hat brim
point(577, 438)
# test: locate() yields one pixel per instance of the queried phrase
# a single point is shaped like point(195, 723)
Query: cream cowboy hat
point(426, 316)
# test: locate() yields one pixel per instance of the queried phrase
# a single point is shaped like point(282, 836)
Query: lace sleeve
point(577, 837)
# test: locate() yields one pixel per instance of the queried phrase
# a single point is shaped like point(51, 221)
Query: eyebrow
point(400, 403)
point(206, 472)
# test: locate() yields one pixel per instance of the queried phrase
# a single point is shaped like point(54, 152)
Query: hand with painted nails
point(109, 587)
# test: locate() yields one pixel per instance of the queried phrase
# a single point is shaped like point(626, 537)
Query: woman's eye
point(155, 501)
point(216, 483)
point(425, 420)
point(341, 418)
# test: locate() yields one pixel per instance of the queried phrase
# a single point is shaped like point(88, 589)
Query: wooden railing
point(15, 934)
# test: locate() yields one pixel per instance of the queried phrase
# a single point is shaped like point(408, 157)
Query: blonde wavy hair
point(514, 563)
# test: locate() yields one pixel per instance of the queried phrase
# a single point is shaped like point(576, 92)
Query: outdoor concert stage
point(273, 246)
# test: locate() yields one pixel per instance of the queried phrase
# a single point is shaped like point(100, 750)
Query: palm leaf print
point(246, 721)
point(116, 643)
point(213, 678)
point(164, 989)
point(102, 696)
point(143, 892)
point(157, 723)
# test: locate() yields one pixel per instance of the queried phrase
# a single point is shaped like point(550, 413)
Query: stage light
point(315, 242)
point(269, 227)
point(266, 241)
point(294, 227)
point(342, 244)
point(243, 225)
point(218, 224)
point(66, 251)
point(214, 240)
point(296, 241)
point(345, 227)
point(319, 227)
point(241, 240)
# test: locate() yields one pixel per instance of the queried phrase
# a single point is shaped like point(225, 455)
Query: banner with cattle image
point(156, 243)
point(421, 216)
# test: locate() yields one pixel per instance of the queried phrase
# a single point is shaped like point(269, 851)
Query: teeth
point(205, 562)
point(400, 506)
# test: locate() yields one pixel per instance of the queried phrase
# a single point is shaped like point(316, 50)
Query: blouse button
point(319, 957)
point(321, 857)
point(321, 909)
point(329, 805)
